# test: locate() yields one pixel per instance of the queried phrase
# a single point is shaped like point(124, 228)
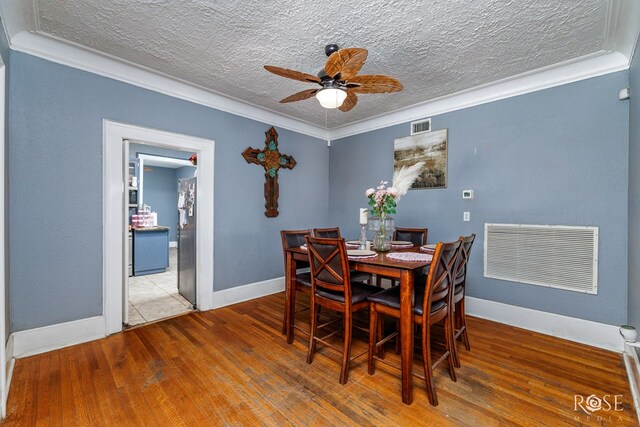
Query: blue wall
point(634, 191)
point(55, 157)
point(160, 191)
point(557, 156)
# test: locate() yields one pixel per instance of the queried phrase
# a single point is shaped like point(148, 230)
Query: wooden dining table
point(402, 271)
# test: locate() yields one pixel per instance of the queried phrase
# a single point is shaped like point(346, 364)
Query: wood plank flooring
point(232, 367)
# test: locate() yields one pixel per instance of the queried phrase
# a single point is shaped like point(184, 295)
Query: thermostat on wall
point(467, 194)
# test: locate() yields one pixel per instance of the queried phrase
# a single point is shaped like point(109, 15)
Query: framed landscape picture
point(428, 147)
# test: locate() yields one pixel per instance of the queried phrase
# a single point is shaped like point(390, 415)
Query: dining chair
point(327, 233)
point(433, 302)
point(333, 289)
point(417, 236)
point(460, 281)
point(291, 239)
point(334, 233)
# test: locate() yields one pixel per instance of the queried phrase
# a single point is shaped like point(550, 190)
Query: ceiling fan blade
point(350, 101)
point(374, 83)
point(305, 94)
point(346, 62)
point(292, 74)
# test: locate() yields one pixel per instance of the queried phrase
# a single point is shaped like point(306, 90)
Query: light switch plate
point(467, 194)
point(466, 216)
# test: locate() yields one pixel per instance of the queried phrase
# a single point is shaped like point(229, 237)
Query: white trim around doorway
point(114, 227)
point(6, 362)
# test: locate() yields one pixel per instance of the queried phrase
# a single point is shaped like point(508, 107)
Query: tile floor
point(155, 296)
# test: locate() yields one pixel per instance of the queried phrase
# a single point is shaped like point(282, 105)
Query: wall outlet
point(466, 216)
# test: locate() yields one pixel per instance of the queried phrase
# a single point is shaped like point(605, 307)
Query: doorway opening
point(117, 198)
point(162, 227)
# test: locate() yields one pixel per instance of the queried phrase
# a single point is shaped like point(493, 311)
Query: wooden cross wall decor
point(271, 160)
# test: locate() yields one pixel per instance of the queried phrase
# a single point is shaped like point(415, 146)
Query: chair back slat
point(329, 265)
point(463, 258)
point(293, 239)
point(327, 233)
point(439, 284)
point(417, 236)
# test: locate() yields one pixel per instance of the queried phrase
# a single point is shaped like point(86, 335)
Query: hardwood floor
point(233, 367)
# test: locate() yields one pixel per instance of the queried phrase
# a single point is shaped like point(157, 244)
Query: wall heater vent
point(421, 126)
point(563, 257)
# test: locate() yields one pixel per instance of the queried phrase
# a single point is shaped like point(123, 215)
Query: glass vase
point(383, 232)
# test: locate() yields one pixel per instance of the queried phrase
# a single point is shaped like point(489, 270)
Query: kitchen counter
point(150, 250)
point(154, 228)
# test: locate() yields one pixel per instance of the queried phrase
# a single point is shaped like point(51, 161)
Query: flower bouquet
point(382, 202)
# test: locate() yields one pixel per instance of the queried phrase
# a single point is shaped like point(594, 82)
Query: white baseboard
point(40, 340)
point(9, 349)
point(10, 363)
point(247, 292)
point(173, 244)
point(47, 338)
point(633, 374)
point(570, 328)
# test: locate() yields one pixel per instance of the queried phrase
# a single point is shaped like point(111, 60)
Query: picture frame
point(430, 148)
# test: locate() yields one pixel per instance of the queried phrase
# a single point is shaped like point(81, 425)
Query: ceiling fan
point(338, 79)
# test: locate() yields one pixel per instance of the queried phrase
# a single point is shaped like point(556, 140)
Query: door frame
point(5, 364)
point(115, 233)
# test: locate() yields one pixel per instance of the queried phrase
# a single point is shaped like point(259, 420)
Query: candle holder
point(363, 237)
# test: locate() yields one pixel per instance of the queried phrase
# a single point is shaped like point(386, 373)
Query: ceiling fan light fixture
point(339, 80)
point(331, 97)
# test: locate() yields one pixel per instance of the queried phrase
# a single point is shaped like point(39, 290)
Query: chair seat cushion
point(435, 305)
point(357, 276)
point(304, 279)
point(391, 297)
point(359, 293)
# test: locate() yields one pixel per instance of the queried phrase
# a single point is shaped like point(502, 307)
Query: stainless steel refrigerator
point(187, 238)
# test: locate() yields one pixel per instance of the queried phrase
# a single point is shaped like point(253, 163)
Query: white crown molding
point(620, 35)
point(570, 328)
point(556, 75)
point(622, 27)
point(18, 16)
point(85, 59)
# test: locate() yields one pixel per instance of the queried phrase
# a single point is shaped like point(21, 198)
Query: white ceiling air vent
point(421, 126)
point(555, 256)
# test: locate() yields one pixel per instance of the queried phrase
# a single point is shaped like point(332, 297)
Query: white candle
point(363, 216)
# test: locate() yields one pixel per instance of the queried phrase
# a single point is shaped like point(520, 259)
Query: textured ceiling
point(434, 48)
